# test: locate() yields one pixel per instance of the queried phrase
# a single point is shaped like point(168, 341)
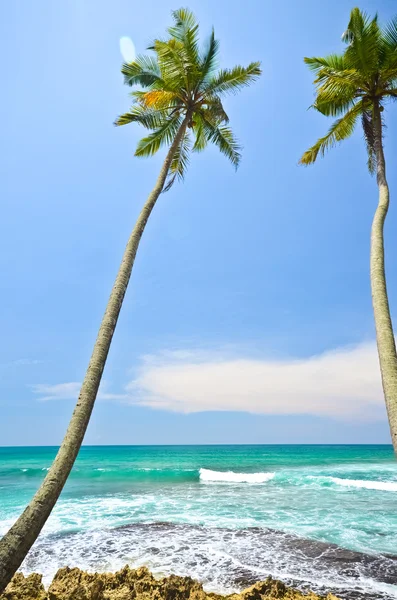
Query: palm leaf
point(232, 80)
point(340, 130)
point(390, 34)
point(185, 30)
point(144, 70)
point(159, 99)
point(369, 137)
point(201, 140)
point(151, 119)
point(334, 98)
point(209, 58)
point(179, 162)
point(223, 138)
point(364, 38)
point(164, 134)
point(333, 63)
point(174, 63)
point(215, 108)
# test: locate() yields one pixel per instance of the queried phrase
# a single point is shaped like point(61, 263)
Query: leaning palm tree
point(181, 94)
point(356, 85)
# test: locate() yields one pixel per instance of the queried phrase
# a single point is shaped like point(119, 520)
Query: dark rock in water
point(139, 584)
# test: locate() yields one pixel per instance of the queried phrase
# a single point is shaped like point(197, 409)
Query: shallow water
point(227, 515)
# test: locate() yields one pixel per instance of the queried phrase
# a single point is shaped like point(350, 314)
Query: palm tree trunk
point(18, 540)
point(384, 328)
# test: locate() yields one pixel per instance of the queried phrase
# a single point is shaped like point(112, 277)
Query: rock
point(137, 584)
point(22, 588)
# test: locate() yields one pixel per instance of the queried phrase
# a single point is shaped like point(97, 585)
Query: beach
point(318, 518)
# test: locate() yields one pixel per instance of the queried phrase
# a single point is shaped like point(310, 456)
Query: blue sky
point(248, 317)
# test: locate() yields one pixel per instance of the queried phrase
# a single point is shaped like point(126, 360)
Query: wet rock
point(137, 584)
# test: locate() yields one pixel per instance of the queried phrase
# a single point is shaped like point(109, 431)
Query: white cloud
point(127, 49)
point(341, 383)
point(344, 383)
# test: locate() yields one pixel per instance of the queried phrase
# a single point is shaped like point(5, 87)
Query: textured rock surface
point(139, 584)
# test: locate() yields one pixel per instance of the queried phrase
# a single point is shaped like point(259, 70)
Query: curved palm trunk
point(384, 328)
point(16, 543)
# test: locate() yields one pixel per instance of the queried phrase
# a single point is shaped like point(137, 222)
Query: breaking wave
point(232, 477)
point(387, 486)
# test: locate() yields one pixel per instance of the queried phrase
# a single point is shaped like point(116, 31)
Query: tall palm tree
point(181, 94)
point(356, 85)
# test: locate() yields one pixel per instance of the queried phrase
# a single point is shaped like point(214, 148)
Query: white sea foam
point(387, 486)
point(234, 559)
point(231, 477)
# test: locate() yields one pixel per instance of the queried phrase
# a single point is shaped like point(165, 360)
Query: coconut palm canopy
point(349, 85)
point(182, 82)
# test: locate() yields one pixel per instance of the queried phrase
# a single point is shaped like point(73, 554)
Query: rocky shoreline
point(137, 584)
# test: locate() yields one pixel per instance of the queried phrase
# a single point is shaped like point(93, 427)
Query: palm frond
point(223, 138)
point(369, 137)
point(209, 58)
point(333, 62)
point(358, 22)
point(232, 80)
point(174, 62)
point(364, 40)
point(179, 162)
point(390, 34)
point(340, 130)
point(164, 134)
point(184, 20)
point(201, 140)
point(334, 98)
point(151, 119)
point(334, 69)
point(144, 71)
point(159, 99)
point(185, 30)
point(215, 108)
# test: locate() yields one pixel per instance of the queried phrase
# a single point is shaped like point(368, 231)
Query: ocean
point(316, 517)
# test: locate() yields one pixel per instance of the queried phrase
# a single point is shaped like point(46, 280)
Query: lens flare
point(127, 49)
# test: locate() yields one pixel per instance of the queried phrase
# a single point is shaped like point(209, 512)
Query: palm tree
point(181, 94)
point(357, 84)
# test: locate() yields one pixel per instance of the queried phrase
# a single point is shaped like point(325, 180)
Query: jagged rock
point(22, 588)
point(137, 584)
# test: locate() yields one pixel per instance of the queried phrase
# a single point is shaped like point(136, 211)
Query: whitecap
point(387, 486)
point(232, 477)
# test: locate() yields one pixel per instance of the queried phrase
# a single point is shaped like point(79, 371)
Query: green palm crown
point(351, 84)
point(182, 82)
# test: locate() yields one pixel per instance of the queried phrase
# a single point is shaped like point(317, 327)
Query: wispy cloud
point(21, 362)
point(70, 390)
point(59, 391)
point(343, 383)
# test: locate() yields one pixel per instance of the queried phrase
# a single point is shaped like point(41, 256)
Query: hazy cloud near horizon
point(344, 383)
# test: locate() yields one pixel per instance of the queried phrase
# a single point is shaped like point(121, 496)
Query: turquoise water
point(227, 515)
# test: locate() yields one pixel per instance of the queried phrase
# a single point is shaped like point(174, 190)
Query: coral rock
point(137, 584)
